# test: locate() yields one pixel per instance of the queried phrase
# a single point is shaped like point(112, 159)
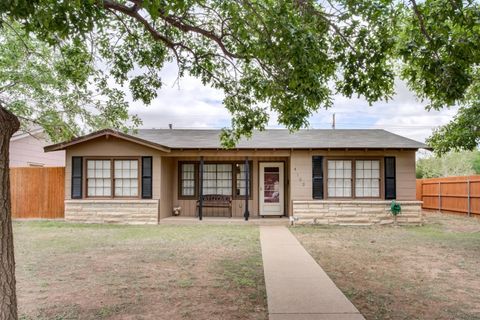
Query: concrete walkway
point(297, 287)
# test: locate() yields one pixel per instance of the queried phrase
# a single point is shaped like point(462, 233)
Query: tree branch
point(420, 20)
point(133, 12)
point(172, 20)
point(29, 50)
point(423, 29)
point(7, 86)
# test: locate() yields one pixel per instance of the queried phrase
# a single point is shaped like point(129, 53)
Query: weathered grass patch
point(87, 271)
point(427, 272)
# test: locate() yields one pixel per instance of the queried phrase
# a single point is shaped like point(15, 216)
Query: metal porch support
point(200, 191)
point(246, 214)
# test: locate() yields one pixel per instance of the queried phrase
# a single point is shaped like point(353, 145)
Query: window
point(126, 178)
point(217, 179)
point(364, 181)
point(99, 182)
point(241, 180)
point(271, 185)
point(367, 178)
point(187, 180)
point(339, 178)
point(118, 175)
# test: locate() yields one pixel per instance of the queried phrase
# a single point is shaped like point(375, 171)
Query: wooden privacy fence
point(37, 192)
point(455, 194)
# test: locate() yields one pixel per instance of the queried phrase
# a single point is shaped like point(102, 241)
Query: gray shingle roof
point(282, 139)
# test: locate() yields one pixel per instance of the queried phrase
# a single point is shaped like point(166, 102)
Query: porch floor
point(267, 221)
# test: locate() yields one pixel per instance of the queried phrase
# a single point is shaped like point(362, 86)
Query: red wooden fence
point(453, 194)
point(37, 192)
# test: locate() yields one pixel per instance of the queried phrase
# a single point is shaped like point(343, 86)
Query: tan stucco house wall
point(113, 210)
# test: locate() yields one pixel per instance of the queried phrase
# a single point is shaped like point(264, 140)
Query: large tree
point(291, 56)
point(59, 90)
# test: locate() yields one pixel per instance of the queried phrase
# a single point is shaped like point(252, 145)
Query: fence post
point(421, 191)
point(440, 196)
point(468, 197)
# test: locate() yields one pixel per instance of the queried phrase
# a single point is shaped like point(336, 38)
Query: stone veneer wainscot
point(335, 212)
point(112, 211)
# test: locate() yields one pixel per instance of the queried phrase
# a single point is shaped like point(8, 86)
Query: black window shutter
point(147, 177)
point(77, 171)
point(317, 177)
point(390, 184)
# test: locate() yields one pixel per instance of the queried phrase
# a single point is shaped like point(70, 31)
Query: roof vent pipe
point(170, 126)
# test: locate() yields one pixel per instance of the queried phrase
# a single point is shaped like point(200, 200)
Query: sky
point(187, 103)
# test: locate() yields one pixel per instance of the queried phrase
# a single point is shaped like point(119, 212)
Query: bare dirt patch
point(428, 272)
point(67, 271)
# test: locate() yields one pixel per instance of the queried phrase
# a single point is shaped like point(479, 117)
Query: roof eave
point(106, 133)
point(182, 148)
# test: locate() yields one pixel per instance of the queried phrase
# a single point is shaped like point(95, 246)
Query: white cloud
point(187, 103)
point(184, 103)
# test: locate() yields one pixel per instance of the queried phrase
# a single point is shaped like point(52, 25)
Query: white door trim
point(277, 208)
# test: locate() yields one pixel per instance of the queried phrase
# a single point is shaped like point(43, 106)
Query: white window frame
point(339, 178)
point(211, 179)
point(354, 178)
point(367, 172)
point(128, 180)
point(98, 177)
point(241, 179)
point(190, 180)
point(110, 177)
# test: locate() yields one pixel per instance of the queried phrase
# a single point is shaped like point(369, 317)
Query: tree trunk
point(8, 299)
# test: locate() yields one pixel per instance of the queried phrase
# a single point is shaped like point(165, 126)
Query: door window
point(271, 185)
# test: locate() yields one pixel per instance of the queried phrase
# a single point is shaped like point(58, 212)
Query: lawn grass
point(427, 272)
point(80, 271)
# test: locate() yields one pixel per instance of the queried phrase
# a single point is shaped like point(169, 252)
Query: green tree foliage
point(289, 56)
point(57, 89)
point(463, 132)
point(441, 65)
point(460, 163)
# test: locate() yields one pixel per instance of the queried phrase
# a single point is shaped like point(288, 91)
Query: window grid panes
point(241, 180)
point(217, 179)
point(339, 178)
point(126, 178)
point(188, 179)
point(367, 178)
point(99, 183)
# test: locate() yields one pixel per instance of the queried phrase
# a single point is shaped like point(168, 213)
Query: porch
point(253, 182)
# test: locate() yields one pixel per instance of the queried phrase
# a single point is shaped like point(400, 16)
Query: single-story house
point(315, 176)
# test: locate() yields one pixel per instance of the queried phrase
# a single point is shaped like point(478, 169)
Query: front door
point(271, 189)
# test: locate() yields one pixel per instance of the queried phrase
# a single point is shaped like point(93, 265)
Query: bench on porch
point(216, 201)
